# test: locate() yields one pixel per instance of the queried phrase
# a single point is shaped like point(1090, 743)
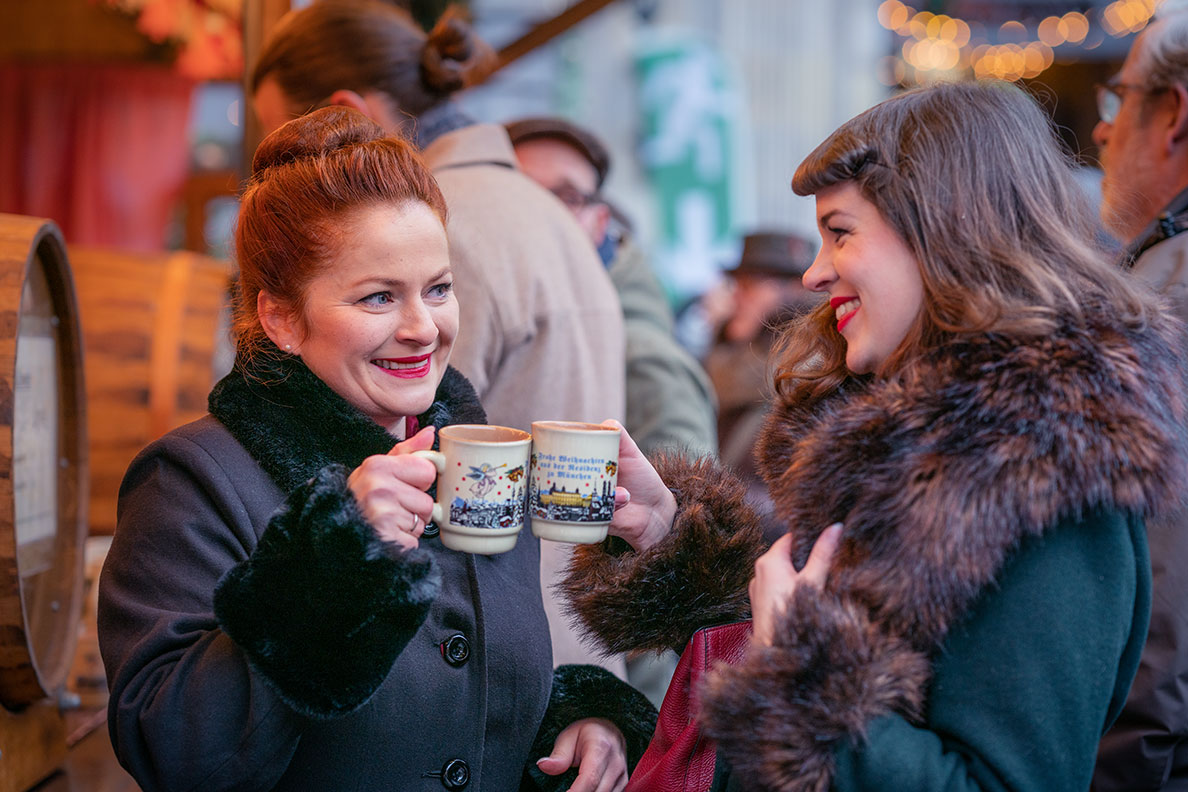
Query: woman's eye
point(441, 290)
point(379, 298)
point(838, 233)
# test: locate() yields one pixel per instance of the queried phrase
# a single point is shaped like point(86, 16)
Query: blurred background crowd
point(125, 121)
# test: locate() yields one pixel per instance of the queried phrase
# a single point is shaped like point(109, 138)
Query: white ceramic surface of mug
point(571, 494)
point(482, 476)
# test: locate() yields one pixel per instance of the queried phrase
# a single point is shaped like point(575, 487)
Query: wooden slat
point(32, 745)
point(545, 32)
point(150, 327)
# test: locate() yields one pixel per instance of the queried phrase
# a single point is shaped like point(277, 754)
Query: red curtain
point(102, 149)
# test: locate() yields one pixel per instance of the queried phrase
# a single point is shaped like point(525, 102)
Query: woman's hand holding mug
point(391, 490)
point(644, 506)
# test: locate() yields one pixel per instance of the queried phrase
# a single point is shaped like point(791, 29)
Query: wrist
point(660, 521)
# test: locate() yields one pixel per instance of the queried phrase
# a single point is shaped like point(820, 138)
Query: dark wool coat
point(987, 607)
point(255, 640)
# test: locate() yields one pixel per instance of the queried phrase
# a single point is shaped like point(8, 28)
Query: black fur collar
point(293, 424)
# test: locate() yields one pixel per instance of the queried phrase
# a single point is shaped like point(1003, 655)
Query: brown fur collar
point(937, 475)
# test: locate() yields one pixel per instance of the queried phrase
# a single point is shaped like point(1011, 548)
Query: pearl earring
point(288, 347)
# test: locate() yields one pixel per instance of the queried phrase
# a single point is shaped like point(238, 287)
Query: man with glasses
point(670, 402)
point(1143, 137)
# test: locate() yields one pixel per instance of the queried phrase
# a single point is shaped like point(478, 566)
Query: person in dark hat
point(761, 293)
point(669, 397)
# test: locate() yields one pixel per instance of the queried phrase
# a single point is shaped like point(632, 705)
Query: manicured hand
point(644, 507)
point(776, 578)
point(596, 747)
point(390, 489)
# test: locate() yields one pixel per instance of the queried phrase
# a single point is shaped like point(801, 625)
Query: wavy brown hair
point(974, 179)
point(308, 178)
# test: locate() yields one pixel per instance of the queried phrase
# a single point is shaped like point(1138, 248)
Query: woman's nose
point(417, 325)
point(818, 276)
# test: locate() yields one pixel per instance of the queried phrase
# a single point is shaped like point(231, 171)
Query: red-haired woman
point(273, 614)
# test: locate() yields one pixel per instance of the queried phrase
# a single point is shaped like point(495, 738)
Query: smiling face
point(379, 320)
point(870, 275)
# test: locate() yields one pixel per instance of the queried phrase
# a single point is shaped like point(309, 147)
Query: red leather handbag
point(680, 758)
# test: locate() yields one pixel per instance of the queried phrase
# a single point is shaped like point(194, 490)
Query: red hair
point(308, 178)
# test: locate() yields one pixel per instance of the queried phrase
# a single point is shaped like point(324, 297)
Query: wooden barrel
point(43, 471)
point(151, 324)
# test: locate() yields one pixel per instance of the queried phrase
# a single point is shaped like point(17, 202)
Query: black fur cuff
point(780, 714)
point(694, 577)
point(323, 606)
point(589, 691)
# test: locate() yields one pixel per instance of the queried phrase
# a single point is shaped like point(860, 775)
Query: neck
point(438, 120)
point(1170, 221)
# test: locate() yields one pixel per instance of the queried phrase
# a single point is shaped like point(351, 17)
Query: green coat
point(984, 614)
point(670, 401)
point(1038, 636)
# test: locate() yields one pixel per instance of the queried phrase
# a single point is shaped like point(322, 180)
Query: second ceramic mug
point(481, 482)
point(575, 467)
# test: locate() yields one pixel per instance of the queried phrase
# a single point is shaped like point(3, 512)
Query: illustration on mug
point(504, 510)
point(572, 489)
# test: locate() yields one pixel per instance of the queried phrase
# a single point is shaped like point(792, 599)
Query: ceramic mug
point(482, 475)
point(571, 491)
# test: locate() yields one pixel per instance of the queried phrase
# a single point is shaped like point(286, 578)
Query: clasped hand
point(391, 490)
point(776, 578)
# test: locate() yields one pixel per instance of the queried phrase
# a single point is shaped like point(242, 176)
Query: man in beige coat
point(670, 400)
point(542, 331)
point(1143, 135)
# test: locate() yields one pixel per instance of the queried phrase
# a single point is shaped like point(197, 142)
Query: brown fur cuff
point(695, 577)
point(780, 714)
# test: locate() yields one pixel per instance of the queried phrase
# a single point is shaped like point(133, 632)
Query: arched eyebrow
point(396, 282)
point(823, 221)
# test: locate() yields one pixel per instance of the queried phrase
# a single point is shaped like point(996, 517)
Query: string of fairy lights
point(941, 47)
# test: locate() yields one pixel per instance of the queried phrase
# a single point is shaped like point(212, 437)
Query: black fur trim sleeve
point(589, 691)
point(778, 715)
point(694, 577)
point(323, 606)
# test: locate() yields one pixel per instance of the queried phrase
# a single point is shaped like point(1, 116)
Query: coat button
point(455, 649)
point(455, 774)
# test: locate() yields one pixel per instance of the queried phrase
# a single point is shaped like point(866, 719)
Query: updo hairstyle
point(368, 45)
point(308, 178)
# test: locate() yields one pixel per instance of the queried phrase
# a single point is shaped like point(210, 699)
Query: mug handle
point(439, 461)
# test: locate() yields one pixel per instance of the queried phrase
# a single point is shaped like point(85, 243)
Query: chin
point(858, 366)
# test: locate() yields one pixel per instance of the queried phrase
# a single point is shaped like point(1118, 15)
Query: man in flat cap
point(670, 401)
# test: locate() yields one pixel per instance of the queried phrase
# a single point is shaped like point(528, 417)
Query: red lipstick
point(834, 302)
point(413, 367)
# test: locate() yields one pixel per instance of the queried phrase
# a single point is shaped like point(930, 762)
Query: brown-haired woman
point(543, 336)
point(272, 613)
point(966, 441)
